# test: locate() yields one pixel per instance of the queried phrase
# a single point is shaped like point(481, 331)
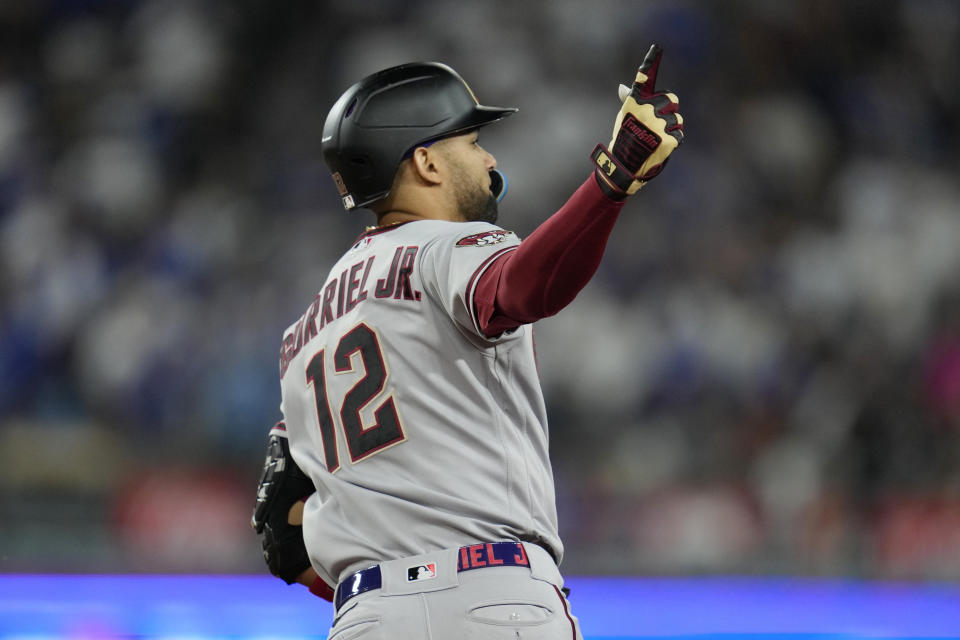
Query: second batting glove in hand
point(647, 130)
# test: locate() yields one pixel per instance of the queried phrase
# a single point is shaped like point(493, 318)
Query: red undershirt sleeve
point(549, 268)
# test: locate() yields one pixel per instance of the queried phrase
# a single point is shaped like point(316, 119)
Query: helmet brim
point(481, 116)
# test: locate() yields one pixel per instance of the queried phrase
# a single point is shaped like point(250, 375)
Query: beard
point(484, 209)
point(474, 201)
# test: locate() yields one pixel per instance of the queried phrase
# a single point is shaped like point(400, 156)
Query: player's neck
point(417, 201)
point(392, 218)
point(424, 210)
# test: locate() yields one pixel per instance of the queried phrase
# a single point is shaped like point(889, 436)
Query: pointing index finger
point(647, 74)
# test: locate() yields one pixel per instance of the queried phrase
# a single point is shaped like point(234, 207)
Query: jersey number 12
point(361, 441)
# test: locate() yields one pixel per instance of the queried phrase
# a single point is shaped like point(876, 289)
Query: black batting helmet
point(378, 120)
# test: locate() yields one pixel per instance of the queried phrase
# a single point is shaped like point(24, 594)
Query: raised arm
point(549, 268)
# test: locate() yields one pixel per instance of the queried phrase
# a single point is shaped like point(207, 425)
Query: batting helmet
point(378, 120)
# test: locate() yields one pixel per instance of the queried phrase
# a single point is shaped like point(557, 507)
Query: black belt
point(474, 556)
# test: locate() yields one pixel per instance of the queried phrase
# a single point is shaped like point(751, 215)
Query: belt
point(474, 556)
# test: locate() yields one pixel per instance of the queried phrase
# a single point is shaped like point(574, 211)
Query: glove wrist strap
point(607, 189)
point(615, 180)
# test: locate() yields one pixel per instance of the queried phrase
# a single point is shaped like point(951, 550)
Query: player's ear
point(425, 165)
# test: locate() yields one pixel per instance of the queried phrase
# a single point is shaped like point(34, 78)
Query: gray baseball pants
point(425, 597)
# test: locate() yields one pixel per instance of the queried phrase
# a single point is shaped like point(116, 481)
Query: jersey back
point(419, 432)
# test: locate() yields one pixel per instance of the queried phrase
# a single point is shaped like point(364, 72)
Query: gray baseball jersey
point(419, 432)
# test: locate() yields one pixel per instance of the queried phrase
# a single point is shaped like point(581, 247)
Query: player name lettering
point(344, 292)
point(484, 555)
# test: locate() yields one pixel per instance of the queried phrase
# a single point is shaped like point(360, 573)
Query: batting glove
point(645, 133)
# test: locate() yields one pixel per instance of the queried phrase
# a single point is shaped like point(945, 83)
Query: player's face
point(470, 166)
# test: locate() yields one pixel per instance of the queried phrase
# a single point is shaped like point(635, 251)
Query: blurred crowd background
point(763, 377)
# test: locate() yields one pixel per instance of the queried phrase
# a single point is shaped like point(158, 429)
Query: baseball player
point(414, 444)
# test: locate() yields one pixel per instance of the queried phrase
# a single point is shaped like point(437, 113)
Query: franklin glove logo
point(642, 135)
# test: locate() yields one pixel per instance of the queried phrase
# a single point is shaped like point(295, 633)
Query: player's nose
point(489, 161)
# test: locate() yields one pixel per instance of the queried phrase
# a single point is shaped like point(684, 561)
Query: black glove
point(282, 484)
point(645, 133)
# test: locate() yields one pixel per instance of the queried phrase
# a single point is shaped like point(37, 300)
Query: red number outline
point(362, 441)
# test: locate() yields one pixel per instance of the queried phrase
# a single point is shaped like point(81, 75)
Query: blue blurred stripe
point(260, 607)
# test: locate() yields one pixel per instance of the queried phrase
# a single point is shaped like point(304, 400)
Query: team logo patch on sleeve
point(484, 239)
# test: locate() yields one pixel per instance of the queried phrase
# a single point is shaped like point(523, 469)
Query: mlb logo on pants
point(422, 572)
